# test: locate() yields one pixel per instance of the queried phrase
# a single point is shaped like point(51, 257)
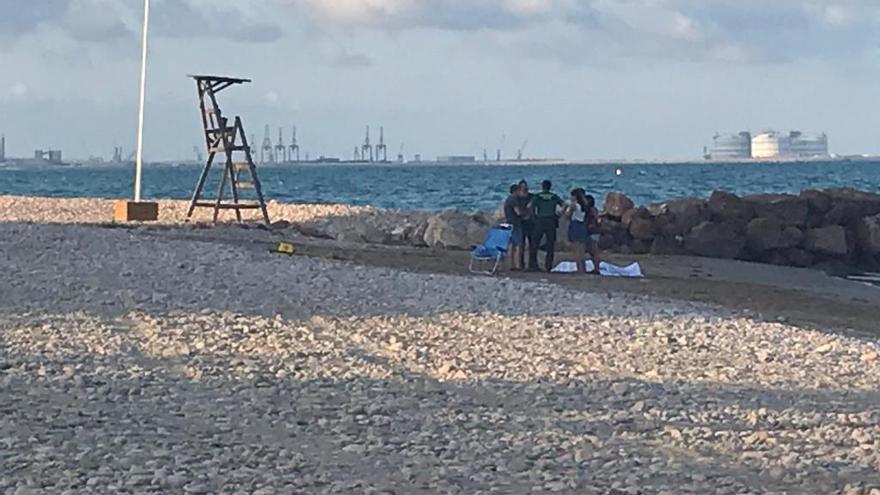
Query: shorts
point(595, 237)
point(517, 237)
point(577, 232)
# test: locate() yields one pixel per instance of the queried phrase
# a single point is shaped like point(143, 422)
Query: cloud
point(101, 21)
point(239, 21)
point(743, 31)
point(18, 90)
point(455, 15)
point(344, 58)
point(17, 16)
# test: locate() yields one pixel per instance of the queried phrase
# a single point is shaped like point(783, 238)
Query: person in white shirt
point(577, 212)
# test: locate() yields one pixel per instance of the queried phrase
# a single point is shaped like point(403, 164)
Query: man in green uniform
point(544, 212)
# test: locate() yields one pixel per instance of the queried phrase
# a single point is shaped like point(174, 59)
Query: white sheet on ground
point(606, 269)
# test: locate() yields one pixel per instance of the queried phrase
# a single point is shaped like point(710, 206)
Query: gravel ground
point(132, 362)
point(97, 211)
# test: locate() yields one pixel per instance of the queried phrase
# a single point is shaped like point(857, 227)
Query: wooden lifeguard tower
point(229, 141)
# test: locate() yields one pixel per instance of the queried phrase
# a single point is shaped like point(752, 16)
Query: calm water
point(429, 187)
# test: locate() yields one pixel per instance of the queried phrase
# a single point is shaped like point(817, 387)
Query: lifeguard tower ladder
point(229, 141)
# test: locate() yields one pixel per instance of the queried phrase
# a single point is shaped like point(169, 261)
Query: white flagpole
point(139, 163)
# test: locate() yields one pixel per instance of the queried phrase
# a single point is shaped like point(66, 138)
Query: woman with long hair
point(577, 212)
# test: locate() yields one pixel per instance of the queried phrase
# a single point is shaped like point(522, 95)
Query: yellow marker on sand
point(285, 248)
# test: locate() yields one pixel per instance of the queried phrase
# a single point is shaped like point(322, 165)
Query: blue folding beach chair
point(491, 252)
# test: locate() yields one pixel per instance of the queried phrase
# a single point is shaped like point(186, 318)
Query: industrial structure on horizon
point(369, 151)
point(768, 145)
point(40, 157)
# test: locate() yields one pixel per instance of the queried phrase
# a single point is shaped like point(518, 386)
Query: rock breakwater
point(840, 225)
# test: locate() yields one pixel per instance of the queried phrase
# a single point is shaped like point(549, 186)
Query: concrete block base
point(130, 211)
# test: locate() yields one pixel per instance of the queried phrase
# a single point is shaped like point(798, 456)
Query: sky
point(576, 79)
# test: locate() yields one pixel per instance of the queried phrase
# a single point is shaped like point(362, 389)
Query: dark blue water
point(431, 187)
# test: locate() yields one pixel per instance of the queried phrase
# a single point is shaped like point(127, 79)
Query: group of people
point(535, 221)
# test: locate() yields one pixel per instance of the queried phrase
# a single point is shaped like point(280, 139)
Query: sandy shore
point(181, 360)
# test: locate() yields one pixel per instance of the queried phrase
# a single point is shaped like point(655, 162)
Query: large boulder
point(668, 245)
point(320, 229)
point(455, 230)
point(635, 213)
point(617, 204)
point(608, 225)
point(607, 242)
point(830, 241)
point(679, 216)
point(859, 203)
point(792, 237)
point(498, 215)
point(774, 257)
point(642, 229)
point(371, 233)
point(818, 202)
point(725, 206)
point(715, 240)
point(788, 209)
point(800, 257)
point(416, 236)
point(850, 206)
point(765, 234)
point(641, 246)
point(869, 235)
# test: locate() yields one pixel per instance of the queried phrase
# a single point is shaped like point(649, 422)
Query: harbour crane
point(293, 151)
point(522, 149)
point(381, 148)
point(367, 148)
point(266, 151)
point(501, 147)
point(280, 149)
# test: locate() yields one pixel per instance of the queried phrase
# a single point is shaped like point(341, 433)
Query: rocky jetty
point(839, 225)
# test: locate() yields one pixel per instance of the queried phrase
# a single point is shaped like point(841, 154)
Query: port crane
point(293, 150)
point(367, 148)
point(381, 148)
point(266, 151)
point(522, 149)
point(280, 149)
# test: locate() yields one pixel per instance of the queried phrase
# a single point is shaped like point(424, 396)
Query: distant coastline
point(30, 163)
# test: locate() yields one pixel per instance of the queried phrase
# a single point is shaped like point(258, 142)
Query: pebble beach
point(182, 360)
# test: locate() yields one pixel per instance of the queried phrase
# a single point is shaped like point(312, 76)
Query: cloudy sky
point(576, 78)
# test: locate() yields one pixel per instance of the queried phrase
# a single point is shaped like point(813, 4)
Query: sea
point(467, 187)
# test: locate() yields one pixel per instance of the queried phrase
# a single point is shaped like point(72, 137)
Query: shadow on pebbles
point(135, 364)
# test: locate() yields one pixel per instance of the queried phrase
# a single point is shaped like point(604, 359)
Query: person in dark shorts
point(528, 223)
point(577, 212)
point(544, 207)
point(513, 214)
point(593, 231)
